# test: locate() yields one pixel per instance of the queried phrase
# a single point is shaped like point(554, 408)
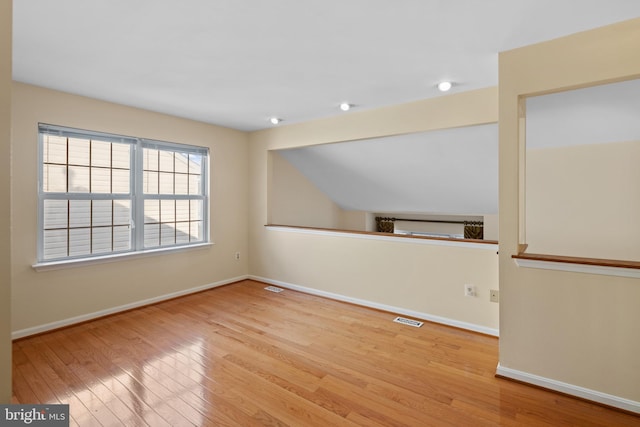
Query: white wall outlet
point(494, 295)
point(237, 256)
point(469, 291)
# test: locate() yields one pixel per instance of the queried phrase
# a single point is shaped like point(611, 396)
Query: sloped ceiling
point(452, 171)
point(595, 115)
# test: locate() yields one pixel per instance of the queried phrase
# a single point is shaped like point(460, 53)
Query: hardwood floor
point(242, 356)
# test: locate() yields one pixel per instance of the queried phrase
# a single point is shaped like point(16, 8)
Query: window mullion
point(138, 196)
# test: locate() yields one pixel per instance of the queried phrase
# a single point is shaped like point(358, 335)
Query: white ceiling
point(237, 63)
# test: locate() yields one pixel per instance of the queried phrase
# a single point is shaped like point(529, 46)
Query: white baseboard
point(90, 316)
point(416, 314)
point(570, 389)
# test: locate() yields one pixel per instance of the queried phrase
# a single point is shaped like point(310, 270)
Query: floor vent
point(274, 289)
point(409, 322)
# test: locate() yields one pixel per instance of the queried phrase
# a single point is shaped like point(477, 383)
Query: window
point(105, 194)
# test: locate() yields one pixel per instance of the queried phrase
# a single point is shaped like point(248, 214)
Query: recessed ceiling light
point(444, 86)
point(275, 120)
point(345, 106)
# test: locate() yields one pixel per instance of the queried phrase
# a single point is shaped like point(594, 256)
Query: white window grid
point(136, 194)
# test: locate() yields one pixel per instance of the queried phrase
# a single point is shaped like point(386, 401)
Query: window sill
point(83, 262)
point(437, 241)
point(607, 267)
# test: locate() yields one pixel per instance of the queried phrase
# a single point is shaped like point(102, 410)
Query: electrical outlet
point(469, 291)
point(237, 256)
point(494, 295)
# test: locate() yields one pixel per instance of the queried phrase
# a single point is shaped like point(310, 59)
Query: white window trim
point(136, 196)
point(104, 259)
point(578, 268)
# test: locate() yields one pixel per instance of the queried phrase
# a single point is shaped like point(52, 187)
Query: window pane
point(195, 164)
point(194, 185)
point(100, 153)
point(78, 151)
point(150, 159)
point(54, 244)
point(79, 240)
point(78, 179)
point(152, 211)
point(120, 156)
point(100, 180)
point(54, 179)
point(101, 240)
point(182, 162)
point(196, 209)
point(182, 232)
point(167, 210)
point(167, 234)
point(166, 161)
point(54, 149)
point(182, 210)
point(101, 213)
point(196, 231)
point(150, 182)
point(121, 238)
point(122, 212)
point(166, 183)
point(151, 235)
point(55, 213)
point(182, 184)
point(87, 221)
point(120, 181)
point(79, 213)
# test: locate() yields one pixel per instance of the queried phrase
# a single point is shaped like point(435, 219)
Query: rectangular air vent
point(273, 289)
point(409, 322)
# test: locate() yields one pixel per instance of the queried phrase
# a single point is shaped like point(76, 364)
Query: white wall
point(41, 298)
point(428, 227)
point(423, 278)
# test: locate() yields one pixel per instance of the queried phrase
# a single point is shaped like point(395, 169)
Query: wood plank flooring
point(242, 356)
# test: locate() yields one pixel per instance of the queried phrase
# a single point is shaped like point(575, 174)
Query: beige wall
point(5, 200)
point(491, 227)
point(423, 278)
point(355, 220)
point(584, 200)
point(408, 275)
point(576, 328)
point(294, 200)
point(51, 296)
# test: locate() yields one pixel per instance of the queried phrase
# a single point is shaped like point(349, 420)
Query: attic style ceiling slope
point(238, 63)
point(450, 171)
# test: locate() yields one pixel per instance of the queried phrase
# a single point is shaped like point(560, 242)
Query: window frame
point(136, 193)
